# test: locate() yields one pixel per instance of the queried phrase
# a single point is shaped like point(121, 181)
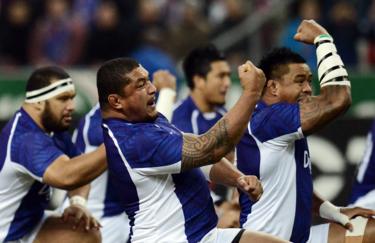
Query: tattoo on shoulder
point(200, 150)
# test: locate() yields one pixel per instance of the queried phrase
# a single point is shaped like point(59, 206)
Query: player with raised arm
point(156, 166)
point(275, 148)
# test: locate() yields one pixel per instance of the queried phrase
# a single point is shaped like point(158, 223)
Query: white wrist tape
point(165, 102)
point(329, 211)
point(331, 69)
point(359, 226)
point(78, 200)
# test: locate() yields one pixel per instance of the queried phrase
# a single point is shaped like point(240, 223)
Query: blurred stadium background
point(80, 34)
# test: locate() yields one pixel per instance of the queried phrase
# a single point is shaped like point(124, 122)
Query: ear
point(273, 87)
point(199, 81)
point(114, 101)
point(39, 106)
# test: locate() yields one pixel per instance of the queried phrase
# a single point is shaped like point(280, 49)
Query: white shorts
point(366, 201)
point(30, 237)
point(115, 229)
point(319, 233)
point(217, 235)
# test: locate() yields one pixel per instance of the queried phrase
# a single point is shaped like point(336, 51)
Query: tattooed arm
point(211, 146)
point(317, 111)
point(335, 97)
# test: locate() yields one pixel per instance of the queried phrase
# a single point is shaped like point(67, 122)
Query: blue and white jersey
point(102, 200)
point(275, 150)
point(188, 118)
point(26, 151)
point(163, 204)
point(363, 192)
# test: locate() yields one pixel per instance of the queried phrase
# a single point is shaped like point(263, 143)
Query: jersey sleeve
point(277, 125)
point(154, 150)
point(37, 152)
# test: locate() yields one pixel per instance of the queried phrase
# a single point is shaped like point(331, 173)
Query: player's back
point(273, 148)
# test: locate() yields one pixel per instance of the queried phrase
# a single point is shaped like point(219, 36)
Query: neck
point(269, 99)
point(201, 102)
point(33, 112)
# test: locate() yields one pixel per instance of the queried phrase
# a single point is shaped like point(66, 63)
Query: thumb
point(349, 226)
point(298, 37)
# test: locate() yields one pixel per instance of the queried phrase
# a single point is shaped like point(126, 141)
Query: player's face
point(296, 83)
point(217, 83)
point(139, 99)
point(57, 114)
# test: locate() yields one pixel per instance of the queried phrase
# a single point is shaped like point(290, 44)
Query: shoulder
point(275, 120)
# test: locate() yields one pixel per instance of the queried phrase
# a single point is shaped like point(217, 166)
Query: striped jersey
point(163, 204)
point(26, 151)
point(363, 192)
point(274, 149)
point(188, 118)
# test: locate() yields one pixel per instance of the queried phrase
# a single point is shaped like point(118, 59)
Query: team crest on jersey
point(306, 160)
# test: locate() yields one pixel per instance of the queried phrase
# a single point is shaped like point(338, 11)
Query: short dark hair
point(111, 77)
point(43, 77)
point(198, 62)
point(274, 63)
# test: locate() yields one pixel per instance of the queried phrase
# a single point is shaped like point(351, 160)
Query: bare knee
point(55, 230)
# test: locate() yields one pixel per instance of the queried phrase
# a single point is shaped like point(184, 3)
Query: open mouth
point(151, 102)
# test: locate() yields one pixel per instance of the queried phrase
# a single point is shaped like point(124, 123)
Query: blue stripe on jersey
point(29, 212)
point(197, 205)
point(247, 149)
point(95, 133)
point(275, 121)
point(80, 142)
point(361, 188)
point(302, 220)
point(121, 180)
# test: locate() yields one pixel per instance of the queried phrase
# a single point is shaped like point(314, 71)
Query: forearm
point(72, 173)
point(82, 191)
point(225, 173)
point(210, 147)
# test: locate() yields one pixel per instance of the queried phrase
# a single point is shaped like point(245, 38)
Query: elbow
point(70, 183)
point(344, 103)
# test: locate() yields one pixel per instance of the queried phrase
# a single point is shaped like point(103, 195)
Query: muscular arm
point(317, 111)
point(69, 174)
point(335, 96)
point(225, 173)
point(82, 191)
point(211, 146)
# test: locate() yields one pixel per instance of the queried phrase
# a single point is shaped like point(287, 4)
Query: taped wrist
point(78, 200)
point(331, 69)
point(329, 211)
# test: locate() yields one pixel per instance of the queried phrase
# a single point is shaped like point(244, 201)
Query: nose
point(71, 105)
point(227, 82)
point(151, 88)
point(307, 88)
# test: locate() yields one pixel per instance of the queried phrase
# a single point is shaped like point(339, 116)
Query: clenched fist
point(252, 78)
point(308, 30)
point(251, 186)
point(164, 79)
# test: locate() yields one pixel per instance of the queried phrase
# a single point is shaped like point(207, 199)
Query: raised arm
point(211, 146)
point(335, 95)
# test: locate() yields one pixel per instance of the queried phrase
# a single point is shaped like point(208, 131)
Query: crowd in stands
point(88, 32)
